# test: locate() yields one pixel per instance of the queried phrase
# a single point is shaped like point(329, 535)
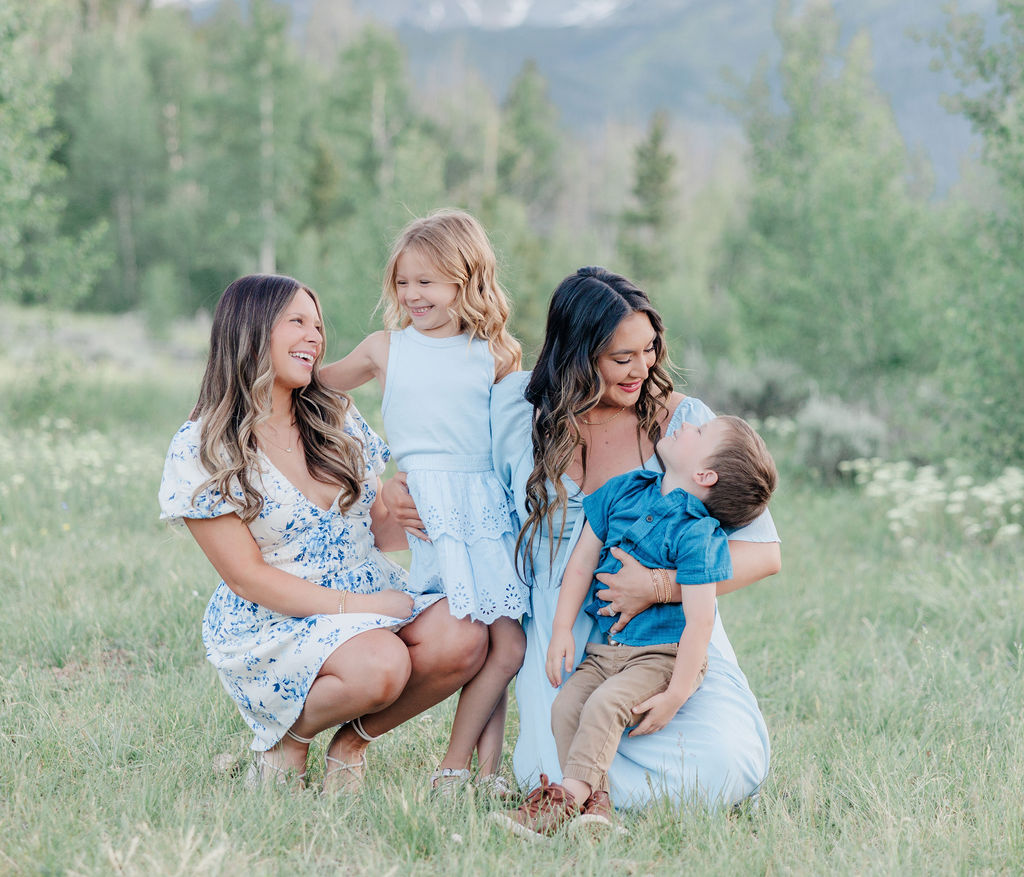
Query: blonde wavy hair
point(585, 310)
point(456, 245)
point(235, 398)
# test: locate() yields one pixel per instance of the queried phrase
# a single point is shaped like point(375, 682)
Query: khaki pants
point(595, 705)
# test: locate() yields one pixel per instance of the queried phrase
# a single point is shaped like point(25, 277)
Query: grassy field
point(890, 670)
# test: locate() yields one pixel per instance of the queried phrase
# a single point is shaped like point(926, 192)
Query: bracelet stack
point(341, 602)
point(662, 585)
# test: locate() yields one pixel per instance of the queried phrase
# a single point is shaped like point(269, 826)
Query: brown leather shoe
point(546, 809)
point(598, 814)
point(598, 808)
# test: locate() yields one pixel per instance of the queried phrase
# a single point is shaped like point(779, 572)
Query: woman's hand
point(629, 591)
point(396, 496)
point(660, 709)
point(397, 604)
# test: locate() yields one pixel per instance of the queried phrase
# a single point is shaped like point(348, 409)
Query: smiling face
point(628, 359)
point(687, 452)
point(425, 294)
point(296, 342)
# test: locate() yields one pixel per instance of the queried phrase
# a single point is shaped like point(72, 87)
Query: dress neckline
point(331, 509)
point(430, 341)
point(646, 464)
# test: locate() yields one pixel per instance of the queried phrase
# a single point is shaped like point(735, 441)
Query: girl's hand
point(629, 591)
point(397, 604)
point(561, 651)
point(396, 496)
point(660, 709)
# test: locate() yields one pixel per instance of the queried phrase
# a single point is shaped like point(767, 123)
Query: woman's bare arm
point(230, 547)
point(631, 589)
point(751, 562)
point(388, 532)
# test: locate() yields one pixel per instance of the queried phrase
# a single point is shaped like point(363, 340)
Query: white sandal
point(494, 785)
point(355, 769)
point(263, 772)
point(357, 726)
point(445, 782)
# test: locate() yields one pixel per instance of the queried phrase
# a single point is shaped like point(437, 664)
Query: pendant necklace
point(280, 447)
point(603, 422)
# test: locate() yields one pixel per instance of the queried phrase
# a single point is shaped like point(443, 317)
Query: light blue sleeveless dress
point(716, 748)
point(436, 415)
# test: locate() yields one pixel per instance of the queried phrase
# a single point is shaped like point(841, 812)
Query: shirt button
point(650, 518)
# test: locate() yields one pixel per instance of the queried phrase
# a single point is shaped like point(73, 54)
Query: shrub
point(767, 388)
point(829, 432)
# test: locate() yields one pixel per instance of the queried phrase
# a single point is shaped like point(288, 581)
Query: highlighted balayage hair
point(235, 397)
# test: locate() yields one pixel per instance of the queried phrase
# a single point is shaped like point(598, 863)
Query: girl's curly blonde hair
point(456, 244)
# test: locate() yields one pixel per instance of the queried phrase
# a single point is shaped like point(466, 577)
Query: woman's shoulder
point(375, 449)
point(182, 493)
point(185, 442)
point(508, 395)
point(687, 409)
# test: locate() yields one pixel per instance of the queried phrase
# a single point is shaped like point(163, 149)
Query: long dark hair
point(585, 310)
point(235, 397)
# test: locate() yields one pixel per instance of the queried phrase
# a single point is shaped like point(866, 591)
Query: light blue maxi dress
point(715, 751)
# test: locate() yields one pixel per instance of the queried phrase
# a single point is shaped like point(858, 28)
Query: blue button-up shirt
point(674, 531)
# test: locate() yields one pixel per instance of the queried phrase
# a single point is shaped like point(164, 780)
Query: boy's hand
point(561, 651)
point(660, 709)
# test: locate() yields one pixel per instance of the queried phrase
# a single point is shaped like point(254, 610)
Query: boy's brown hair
point(747, 475)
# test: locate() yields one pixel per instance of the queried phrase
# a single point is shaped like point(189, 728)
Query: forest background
point(150, 158)
point(810, 268)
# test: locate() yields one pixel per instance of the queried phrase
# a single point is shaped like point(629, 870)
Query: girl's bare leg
point(480, 697)
point(492, 739)
point(445, 653)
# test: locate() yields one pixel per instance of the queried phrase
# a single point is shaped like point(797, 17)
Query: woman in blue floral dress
point(277, 479)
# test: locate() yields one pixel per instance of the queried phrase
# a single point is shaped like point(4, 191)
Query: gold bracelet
point(341, 602)
point(669, 581)
point(664, 580)
point(657, 585)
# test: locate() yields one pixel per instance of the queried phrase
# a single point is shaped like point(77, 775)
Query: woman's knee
point(450, 646)
point(377, 664)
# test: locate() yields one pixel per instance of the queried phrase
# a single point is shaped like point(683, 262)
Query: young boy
point(716, 475)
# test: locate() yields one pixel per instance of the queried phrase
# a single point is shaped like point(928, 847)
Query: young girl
point(448, 344)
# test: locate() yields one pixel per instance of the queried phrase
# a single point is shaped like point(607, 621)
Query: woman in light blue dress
point(593, 407)
point(277, 479)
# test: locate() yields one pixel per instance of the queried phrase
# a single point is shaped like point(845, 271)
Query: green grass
point(890, 675)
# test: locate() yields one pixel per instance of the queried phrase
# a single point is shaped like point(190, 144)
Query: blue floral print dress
point(268, 661)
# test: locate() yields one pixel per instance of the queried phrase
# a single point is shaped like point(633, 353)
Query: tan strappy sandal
point(263, 772)
point(354, 772)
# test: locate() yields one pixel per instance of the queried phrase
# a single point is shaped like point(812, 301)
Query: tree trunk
point(268, 244)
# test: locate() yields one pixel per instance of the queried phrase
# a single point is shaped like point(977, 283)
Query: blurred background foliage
point(814, 272)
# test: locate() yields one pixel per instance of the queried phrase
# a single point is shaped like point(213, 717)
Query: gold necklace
point(606, 420)
point(276, 445)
